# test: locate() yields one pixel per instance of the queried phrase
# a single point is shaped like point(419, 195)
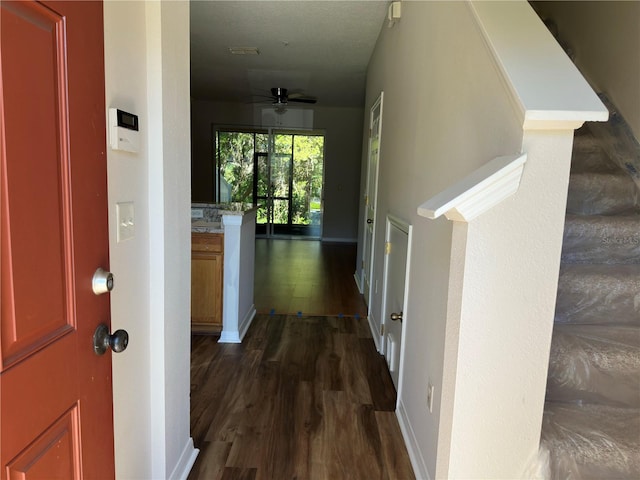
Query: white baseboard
point(410, 441)
point(186, 461)
point(229, 337)
point(374, 333)
point(339, 240)
point(236, 336)
point(358, 282)
point(246, 321)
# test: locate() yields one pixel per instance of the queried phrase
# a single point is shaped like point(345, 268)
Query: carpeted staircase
point(591, 424)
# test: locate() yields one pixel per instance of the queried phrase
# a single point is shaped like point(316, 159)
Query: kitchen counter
point(209, 217)
point(237, 222)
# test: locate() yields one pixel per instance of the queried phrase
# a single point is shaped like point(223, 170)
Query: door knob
point(102, 281)
point(396, 316)
point(369, 220)
point(102, 341)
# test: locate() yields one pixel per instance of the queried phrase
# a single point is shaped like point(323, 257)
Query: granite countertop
point(209, 219)
point(233, 208)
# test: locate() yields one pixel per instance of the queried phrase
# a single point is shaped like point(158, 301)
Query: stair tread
point(595, 363)
point(598, 294)
point(592, 441)
point(590, 158)
point(602, 193)
point(601, 239)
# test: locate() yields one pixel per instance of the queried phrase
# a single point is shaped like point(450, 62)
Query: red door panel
point(54, 455)
point(37, 226)
point(55, 392)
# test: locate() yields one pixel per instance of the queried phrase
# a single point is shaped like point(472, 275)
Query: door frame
point(371, 196)
point(394, 221)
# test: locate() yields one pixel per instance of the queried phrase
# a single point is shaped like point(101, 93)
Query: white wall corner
point(478, 192)
point(186, 461)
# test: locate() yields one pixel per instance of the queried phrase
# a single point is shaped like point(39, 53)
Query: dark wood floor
point(304, 396)
point(310, 277)
point(300, 398)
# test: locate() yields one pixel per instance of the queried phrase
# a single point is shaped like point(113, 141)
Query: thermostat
point(123, 130)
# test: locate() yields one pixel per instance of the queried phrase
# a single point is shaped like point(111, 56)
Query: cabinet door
point(206, 282)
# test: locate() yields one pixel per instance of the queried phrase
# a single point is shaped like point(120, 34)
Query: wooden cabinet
point(207, 261)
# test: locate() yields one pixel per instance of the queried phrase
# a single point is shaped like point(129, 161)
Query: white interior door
point(397, 237)
point(371, 193)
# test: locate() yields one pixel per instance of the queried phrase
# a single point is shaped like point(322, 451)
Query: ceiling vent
point(244, 50)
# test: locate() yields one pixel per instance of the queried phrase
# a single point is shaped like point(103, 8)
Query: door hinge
point(382, 329)
point(362, 261)
point(369, 133)
point(366, 200)
point(387, 248)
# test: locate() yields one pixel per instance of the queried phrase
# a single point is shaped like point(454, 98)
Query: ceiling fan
point(281, 97)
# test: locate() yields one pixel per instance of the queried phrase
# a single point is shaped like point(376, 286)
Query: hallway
point(304, 396)
point(307, 276)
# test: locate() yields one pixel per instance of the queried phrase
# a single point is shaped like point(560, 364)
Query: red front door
point(55, 392)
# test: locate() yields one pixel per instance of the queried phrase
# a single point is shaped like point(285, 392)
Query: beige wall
point(605, 38)
point(481, 294)
point(445, 114)
point(343, 133)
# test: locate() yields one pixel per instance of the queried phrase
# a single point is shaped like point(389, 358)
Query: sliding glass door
point(280, 171)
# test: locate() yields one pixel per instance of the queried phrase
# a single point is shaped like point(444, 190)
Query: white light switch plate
point(125, 217)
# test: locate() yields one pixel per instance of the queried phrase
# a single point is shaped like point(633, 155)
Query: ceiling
point(319, 48)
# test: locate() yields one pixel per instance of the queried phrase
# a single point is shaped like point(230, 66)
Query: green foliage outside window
point(236, 163)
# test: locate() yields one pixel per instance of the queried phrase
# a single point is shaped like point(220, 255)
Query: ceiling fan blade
point(303, 99)
point(281, 96)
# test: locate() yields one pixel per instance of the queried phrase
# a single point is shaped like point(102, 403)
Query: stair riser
point(601, 194)
point(591, 441)
point(593, 366)
point(601, 240)
point(592, 159)
point(599, 295)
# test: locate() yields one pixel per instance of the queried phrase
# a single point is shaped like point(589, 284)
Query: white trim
point(229, 337)
point(246, 321)
point(547, 90)
point(186, 461)
point(406, 315)
point(369, 188)
point(479, 191)
point(374, 334)
point(338, 240)
point(236, 336)
point(356, 277)
point(411, 442)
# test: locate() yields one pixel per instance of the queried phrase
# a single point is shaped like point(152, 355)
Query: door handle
point(396, 316)
point(369, 220)
point(102, 341)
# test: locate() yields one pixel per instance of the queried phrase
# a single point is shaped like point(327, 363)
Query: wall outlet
point(430, 397)
point(197, 212)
